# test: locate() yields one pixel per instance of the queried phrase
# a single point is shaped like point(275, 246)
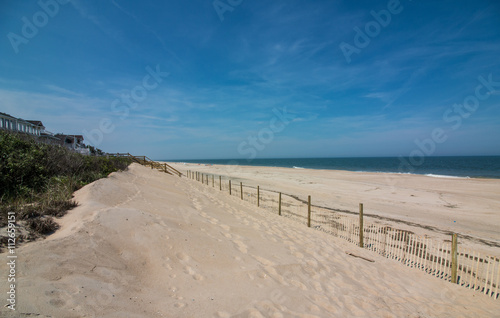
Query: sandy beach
point(431, 206)
point(143, 243)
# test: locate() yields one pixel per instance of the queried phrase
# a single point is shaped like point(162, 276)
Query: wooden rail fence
point(145, 161)
point(445, 260)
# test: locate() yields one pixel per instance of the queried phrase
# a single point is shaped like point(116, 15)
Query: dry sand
point(426, 205)
point(146, 244)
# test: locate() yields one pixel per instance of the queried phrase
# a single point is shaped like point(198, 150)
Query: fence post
point(279, 205)
point(258, 196)
point(202, 176)
point(220, 183)
point(361, 234)
point(229, 187)
point(241, 189)
point(454, 259)
point(309, 211)
point(213, 182)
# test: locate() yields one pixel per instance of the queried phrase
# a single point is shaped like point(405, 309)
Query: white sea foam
point(443, 176)
point(298, 167)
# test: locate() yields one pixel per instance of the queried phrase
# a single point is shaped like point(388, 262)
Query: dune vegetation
point(37, 182)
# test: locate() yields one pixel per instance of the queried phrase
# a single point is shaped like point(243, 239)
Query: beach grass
point(37, 181)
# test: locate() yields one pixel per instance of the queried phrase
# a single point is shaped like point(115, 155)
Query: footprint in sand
point(317, 286)
point(189, 270)
point(213, 220)
point(196, 204)
point(298, 284)
point(183, 257)
point(223, 314)
point(264, 261)
point(298, 255)
point(242, 247)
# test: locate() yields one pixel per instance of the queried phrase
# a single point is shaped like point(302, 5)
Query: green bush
point(37, 180)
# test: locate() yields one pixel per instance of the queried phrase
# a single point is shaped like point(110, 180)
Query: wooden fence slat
point(309, 211)
point(361, 230)
point(258, 196)
point(454, 258)
point(279, 205)
point(486, 277)
point(495, 295)
point(425, 253)
point(471, 272)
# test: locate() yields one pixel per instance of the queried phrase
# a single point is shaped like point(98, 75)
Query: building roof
point(71, 136)
point(7, 115)
point(33, 122)
point(36, 123)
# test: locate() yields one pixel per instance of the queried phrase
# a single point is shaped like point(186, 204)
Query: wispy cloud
point(226, 78)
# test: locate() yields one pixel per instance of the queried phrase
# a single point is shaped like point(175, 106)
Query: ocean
point(460, 167)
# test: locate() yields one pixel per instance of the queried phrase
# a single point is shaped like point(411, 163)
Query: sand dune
point(146, 244)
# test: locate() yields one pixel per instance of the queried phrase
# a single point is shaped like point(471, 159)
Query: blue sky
point(242, 79)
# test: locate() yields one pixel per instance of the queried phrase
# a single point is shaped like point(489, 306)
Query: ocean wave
point(298, 167)
point(443, 176)
point(418, 174)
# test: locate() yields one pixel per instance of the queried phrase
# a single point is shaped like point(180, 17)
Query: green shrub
point(37, 180)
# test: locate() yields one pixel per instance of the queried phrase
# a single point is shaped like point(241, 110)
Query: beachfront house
point(73, 142)
point(31, 127)
point(37, 129)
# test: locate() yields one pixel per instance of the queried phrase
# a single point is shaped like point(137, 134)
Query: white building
point(32, 127)
point(73, 142)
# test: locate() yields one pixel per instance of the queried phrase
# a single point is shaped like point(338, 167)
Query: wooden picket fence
point(445, 260)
